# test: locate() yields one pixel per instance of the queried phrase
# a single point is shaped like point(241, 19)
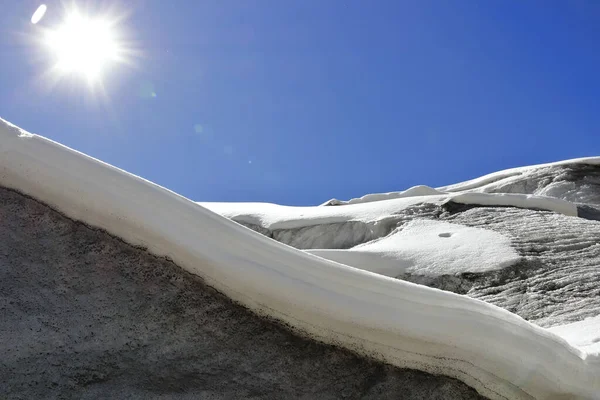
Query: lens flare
point(84, 45)
point(38, 14)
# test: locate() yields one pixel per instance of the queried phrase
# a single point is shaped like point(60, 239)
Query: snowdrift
point(496, 352)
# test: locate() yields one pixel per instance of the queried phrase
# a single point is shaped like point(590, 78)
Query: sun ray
point(84, 46)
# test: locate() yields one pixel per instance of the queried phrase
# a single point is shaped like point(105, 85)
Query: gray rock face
point(84, 315)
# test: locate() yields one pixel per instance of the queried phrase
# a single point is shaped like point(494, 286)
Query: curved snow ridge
point(276, 217)
point(496, 352)
point(496, 177)
point(420, 190)
point(529, 201)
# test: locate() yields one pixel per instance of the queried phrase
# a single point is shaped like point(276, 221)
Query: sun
point(83, 45)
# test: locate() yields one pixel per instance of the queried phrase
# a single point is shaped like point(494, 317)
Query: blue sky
point(296, 102)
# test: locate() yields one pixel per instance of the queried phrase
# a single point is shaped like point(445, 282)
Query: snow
point(273, 216)
point(429, 248)
point(414, 191)
point(517, 200)
point(584, 335)
point(407, 325)
point(510, 174)
point(523, 180)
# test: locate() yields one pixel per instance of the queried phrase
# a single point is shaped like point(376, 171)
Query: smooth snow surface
point(582, 334)
point(408, 325)
point(429, 248)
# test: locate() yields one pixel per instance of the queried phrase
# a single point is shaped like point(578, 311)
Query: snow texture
point(494, 351)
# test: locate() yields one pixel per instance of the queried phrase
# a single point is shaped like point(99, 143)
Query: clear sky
point(299, 101)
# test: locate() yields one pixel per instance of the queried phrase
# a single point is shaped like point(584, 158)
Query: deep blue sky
point(300, 101)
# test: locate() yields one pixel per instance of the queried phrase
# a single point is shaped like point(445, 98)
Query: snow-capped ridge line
point(479, 184)
point(495, 177)
point(493, 350)
point(277, 217)
point(415, 191)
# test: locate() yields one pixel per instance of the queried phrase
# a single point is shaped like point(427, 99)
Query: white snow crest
point(508, 174)
point(420, 190)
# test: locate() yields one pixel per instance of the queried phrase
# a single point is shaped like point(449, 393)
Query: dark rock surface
point(84, 315)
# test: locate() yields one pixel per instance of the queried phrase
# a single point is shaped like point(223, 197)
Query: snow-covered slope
point(408, 325)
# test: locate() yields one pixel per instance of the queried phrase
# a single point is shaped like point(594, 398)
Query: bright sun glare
point(83, 45)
